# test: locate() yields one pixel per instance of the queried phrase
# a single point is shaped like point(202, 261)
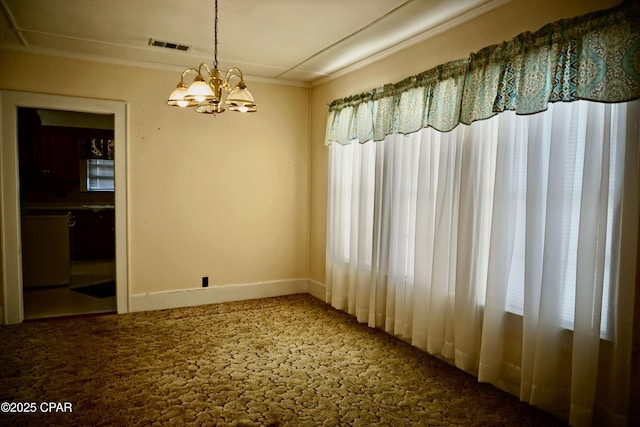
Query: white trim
point(216, 294)
point(10, 239)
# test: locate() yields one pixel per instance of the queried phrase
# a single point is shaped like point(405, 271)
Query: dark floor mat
point(98, 290)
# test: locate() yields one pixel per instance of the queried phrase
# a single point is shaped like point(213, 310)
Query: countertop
point(28, 208)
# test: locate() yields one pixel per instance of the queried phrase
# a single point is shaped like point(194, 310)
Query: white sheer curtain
point(497, 246)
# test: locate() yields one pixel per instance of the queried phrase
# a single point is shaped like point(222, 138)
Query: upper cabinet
point(50, 155)
point(56, 159)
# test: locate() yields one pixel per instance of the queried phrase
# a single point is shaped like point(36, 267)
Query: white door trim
point(9, 192)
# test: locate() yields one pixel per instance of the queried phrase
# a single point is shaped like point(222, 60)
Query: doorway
point(67, 200)
point(13, 196)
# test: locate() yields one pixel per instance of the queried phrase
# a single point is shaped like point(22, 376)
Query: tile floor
point(56, 301)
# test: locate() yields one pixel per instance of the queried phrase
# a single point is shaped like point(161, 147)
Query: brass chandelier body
point(205, 92)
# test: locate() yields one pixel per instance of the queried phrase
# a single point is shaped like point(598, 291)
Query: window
point(594, 139)
point(520, 204)
point(100, 175)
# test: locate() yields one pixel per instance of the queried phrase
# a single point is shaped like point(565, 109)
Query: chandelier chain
point(215, 37)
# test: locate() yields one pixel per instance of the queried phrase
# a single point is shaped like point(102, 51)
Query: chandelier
point(205, 92)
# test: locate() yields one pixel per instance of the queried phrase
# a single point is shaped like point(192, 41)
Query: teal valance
point(593, 57)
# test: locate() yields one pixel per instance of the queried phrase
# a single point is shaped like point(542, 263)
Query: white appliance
point(46, 249)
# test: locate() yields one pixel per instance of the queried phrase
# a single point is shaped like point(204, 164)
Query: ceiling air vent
point(168, 45)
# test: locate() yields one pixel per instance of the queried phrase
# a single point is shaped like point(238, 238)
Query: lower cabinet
point(93, 235)
point(45, 249)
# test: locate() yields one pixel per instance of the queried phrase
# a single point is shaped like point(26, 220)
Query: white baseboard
point(225, 293)
point(317, 289)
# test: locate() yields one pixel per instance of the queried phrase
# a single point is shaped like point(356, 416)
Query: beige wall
point(223, 197)
point(498, 25)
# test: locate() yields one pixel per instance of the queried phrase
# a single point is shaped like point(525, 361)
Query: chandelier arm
point(232, 72)
point(206, 67)
point(184, 73)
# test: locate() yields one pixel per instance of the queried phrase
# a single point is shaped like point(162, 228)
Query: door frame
point(10, 239)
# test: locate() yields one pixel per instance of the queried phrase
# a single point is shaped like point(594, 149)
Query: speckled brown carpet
point(290, 361)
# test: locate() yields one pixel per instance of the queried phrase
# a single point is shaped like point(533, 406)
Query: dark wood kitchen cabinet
point(93, 234)
point(50, 155)
point(57, 159)
point(29, 137)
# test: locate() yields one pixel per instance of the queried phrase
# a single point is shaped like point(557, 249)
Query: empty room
point(305, 212)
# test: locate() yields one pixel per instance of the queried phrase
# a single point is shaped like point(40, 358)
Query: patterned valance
point(593, 57)
point(97, 148)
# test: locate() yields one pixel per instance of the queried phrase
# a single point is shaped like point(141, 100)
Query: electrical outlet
point(205, 281)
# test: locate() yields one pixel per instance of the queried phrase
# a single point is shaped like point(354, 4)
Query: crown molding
point(138, 64)
point(432, 32)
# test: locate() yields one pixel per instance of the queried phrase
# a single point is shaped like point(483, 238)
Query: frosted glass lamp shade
point(240, 99)
point(176, 99)
point(199, 91)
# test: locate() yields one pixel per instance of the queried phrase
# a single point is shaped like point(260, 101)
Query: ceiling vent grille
point(169, 45)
